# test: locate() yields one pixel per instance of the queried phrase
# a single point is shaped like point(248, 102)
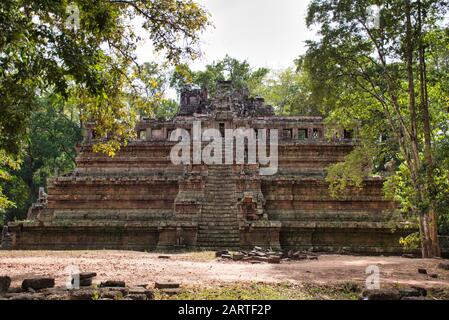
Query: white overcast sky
point(268, 33)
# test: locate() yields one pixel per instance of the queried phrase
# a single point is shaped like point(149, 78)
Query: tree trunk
point(426, 239)
point(424, 102)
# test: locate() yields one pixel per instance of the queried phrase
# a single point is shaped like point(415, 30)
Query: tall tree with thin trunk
point(382, 66)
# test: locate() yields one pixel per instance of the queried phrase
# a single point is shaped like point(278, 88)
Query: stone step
point(222, 238)
point(228, 221)
point(218, 231)
point(209, 223)
point(208, 220)
point(219, 209)
point(224, 246)
point(219, 224)
point(218, 212)
point(219, 217)
point(219, 242)
point(216, 236)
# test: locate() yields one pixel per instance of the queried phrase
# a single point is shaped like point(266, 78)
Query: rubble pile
point(258, 255)
point(43, 288)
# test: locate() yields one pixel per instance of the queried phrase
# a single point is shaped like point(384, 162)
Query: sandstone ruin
point(140, 200)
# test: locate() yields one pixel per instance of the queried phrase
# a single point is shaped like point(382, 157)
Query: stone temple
point(140, 200)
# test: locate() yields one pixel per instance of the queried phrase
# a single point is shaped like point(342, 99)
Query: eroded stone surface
point(5, 282)
point(166, 285)
point(38, 283)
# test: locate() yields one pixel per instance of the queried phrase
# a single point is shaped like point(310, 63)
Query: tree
point(86, 52)
point(381, 71)
point(239, 72)
point(289, 92)
point(54, 132)
point(40, 50)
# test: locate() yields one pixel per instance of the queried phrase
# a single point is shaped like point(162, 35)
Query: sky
point(267, 33)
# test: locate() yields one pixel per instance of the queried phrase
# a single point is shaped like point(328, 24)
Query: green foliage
point(289, 92)
point(147, 95)
point(359, 74)
point(239, 72)
point(166, 109)
point(39, 51)
point(54, 131)
point(347, 176)
point(263, 291)
point(411, 242)
point(6, 162)
point(399, 188)
point(91, 67)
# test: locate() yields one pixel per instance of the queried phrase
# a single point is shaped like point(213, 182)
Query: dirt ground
point(202, 269)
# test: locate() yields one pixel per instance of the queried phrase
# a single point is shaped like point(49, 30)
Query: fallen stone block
point(410, 292)
point(260, 259)
point(381, 294)
point(422, 271)
point(38, 283)
point(85, 279)
point(218, 254)
point(171, 291)
point(237, 256)
point(136, 290)
point(226, 256)
point(54, 290)
point(5, 282)
point(113, 284)
point(15, 290)
point(112, 294)
point(166, 285)
point(84, 294)
point(138, 297)
point(56, 297)
point(85, 282)
point(27, 296)
point(87, 275)
point(139, 290)
point(122, 290)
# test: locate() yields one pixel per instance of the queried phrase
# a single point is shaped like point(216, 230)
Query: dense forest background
point(389, 82)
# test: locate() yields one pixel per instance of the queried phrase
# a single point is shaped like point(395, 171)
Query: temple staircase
point(218, 227)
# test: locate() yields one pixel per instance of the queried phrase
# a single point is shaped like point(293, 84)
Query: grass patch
point(263, 291)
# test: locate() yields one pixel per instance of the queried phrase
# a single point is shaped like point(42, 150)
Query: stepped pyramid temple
point(141, 200)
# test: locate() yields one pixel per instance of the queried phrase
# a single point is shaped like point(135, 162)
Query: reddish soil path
point(202, 269)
